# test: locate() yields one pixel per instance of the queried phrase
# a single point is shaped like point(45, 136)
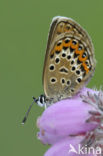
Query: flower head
point(72, 121)
point(64, 118)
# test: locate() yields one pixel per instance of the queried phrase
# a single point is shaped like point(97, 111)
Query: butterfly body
point(69, 60)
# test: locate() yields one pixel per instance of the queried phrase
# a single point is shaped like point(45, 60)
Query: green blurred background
point(24, 28)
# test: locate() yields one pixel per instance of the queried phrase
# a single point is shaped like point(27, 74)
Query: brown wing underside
point(69, 60)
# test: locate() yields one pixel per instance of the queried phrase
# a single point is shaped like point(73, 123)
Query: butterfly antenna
point(27, 113)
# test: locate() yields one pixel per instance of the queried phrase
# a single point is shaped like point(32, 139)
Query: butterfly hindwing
point(69, 60)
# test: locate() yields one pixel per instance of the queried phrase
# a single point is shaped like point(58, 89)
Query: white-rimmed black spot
point(63, 55)
point(63, 80)
point(68, 82)
point(57, 60)
point(53, 80)
point(68, 57)
point(51, 67)
point(79, 80)
point(77, 72)
point(72, 62)
point(73, 68)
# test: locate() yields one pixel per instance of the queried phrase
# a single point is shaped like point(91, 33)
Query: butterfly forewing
point(69, 61)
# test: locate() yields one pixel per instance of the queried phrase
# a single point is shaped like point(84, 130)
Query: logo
point(85, 150)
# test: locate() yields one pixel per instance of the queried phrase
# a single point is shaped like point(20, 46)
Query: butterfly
point(69, 61)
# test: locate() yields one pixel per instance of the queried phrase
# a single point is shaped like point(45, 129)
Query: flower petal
point(64, 118)
point(67, 147)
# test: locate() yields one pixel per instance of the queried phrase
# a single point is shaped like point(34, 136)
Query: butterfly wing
point(69, 61)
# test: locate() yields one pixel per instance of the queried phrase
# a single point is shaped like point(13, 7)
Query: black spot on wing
point(63, 70)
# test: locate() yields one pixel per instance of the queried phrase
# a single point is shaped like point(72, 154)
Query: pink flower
point(69, 146)
point(64, 118)
point(73, 122)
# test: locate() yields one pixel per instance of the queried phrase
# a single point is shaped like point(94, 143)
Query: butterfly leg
point(41, 101)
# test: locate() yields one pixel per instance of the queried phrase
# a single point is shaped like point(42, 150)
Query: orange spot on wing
point(79, 51)
point(52, 52)
point(67, 44)
point(59, 48)
point(74, 46)
point(85, 67)
point(82, 59)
